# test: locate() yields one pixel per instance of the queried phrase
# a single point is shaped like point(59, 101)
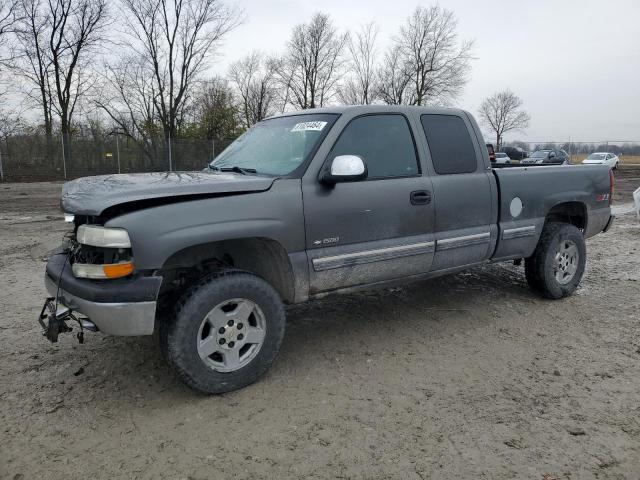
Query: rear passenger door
point(463, 190)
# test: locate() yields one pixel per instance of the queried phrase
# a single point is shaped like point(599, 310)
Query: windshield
point(596, 156)
point(540, 154)
point(277, 146)
point(501, 155)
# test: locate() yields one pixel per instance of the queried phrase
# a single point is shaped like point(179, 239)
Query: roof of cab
point(364, 109)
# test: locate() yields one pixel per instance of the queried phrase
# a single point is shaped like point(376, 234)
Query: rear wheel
point(226, 332)
point(557, 265)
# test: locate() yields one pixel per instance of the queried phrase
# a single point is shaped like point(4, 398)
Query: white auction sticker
point(301, 127)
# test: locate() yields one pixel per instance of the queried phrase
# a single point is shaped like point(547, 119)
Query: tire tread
point(536, 266)
point(173, 344)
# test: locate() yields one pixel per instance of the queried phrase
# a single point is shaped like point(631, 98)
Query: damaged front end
point(92, 282)
point(54, 319)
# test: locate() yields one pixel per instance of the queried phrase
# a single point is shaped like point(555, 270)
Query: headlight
point(98, 236)
point(113, 270)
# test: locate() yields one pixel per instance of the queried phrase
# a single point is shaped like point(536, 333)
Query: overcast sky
point(575, 63)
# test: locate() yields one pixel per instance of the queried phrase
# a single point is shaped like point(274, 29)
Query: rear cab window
point(450, 144)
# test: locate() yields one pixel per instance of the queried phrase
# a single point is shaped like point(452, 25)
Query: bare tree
point(130, 103)
point(359, 87)
point(215, 113)
point(8, 18)
point(33, 62)
point(11, 123)
point(502, 113)
point(309, 71)
point(394, 78)
point(170, 44)
point(254, 79)
point(74, 32)
point(428, 52)
point(8, 21)
point(56, 42)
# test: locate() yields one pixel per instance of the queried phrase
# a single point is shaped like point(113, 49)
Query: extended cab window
point(383, 141)
point(449, 143)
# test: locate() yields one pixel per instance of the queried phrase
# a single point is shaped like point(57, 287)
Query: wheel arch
point(262, 256)
point(572, 212)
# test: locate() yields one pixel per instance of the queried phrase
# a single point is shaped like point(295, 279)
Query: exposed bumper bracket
point(53, 320)
point(126, 319)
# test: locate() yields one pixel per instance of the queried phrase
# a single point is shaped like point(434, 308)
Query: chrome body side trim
point(527, 231)
point(456, 242)
point(368, 256)
point(126, 319)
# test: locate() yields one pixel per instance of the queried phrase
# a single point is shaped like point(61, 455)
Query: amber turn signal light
point(117, 270)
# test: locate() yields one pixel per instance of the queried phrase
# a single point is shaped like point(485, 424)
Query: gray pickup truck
point(300, 206)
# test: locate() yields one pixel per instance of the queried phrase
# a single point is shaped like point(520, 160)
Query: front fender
point(158, 232)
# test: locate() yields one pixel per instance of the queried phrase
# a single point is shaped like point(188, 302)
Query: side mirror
point(344, 168)
point(552, 155)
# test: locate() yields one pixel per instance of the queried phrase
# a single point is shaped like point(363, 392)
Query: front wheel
point(226, 332)
point(558, 262)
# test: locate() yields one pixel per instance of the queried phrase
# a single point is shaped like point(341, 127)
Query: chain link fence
point(28, 158)
point(25, 158)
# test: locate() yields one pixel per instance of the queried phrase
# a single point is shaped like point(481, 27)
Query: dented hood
point(92, 195)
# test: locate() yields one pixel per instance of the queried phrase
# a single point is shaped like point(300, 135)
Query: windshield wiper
point(235, 169)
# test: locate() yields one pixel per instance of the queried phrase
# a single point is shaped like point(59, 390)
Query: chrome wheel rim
point(231, 335)
point(566, 261)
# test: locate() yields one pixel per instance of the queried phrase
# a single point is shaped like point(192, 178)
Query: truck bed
point(539, 190)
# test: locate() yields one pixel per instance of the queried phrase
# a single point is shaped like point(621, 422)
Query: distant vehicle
point(552, 157)
point(491, 151)
point(602, 158)
point(515, 153)
point(502, 158)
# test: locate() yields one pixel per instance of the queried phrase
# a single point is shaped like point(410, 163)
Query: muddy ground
point(470, 376)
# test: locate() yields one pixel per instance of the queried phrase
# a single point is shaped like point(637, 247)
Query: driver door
point(376, 229)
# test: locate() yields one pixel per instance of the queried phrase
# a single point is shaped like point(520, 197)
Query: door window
point(450, 144)
point(383, 141)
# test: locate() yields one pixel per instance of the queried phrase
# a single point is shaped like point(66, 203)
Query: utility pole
point(170, 165)
point(570, 156)
point(118, 152)
point(115, 132)
point(64, 160)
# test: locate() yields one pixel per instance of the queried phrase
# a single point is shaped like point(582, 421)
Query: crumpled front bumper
point(117, 307)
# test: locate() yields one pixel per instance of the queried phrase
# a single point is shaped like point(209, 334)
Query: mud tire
point(540, 267)
point(178, 336)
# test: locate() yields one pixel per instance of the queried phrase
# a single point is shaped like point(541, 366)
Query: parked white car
point(502, 158)
point(602, 158)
